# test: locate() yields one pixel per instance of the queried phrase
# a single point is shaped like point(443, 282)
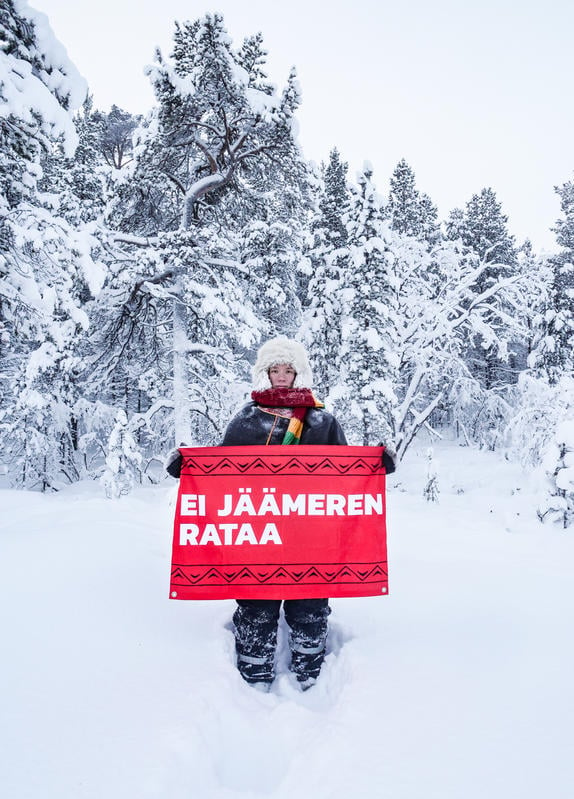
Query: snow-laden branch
point(419, 418)
point(138, 241)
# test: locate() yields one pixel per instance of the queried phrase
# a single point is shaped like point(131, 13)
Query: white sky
point(471, 93)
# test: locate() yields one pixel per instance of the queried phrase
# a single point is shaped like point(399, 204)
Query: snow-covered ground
point(458, 685)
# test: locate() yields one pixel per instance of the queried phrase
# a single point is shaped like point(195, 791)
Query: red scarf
point(300, 399)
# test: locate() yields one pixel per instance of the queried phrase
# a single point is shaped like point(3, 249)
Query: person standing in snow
point(283, 410)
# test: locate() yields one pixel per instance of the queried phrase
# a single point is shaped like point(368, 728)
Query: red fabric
point(280, 522)
point(284, 398)
point(298, 400)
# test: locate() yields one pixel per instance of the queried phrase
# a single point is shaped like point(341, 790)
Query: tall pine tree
point(214, 163)
point(47, 270)
point(555, 352)
point(368, 359)
point(411, 213)
point(483, 229)
point(324, 306)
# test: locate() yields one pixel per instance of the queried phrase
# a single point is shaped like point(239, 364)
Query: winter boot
point(256, 639)
point(307, 619)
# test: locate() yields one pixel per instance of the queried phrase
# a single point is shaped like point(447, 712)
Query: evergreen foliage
point(558, 505)
point(431, 490)
point(494, 353)
point(322, 330)
point(555, 353)
point(116, 136)
point(142, 260)
point(123, 460)
point(334, 201)
point(368, 359)
point(209, 216)
point(410, 212)
point(48, 260)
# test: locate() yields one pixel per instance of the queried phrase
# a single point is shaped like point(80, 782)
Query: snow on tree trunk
point(181, 398)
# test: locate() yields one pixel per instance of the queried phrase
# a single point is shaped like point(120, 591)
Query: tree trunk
point(182, 413)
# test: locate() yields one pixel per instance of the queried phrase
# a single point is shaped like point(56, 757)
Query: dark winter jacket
point(254, 426)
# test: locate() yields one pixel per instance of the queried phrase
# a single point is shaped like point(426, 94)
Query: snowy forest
point(144, 259)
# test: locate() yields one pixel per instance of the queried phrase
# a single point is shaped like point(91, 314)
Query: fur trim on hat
point(281, 350)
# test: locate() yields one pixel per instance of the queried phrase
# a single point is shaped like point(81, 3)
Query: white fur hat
point(281, 350)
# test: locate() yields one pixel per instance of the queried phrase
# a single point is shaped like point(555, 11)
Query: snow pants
point(256, 623)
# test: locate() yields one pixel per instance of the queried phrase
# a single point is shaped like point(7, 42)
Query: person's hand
point(173, 462)
point(389, 459)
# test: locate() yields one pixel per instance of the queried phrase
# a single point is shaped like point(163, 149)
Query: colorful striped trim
point(295, 428)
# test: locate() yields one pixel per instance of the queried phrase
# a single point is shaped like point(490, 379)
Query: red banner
point(281, 522)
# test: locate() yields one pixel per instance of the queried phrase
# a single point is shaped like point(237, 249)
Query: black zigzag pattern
point(301, 574)
point(340, 464)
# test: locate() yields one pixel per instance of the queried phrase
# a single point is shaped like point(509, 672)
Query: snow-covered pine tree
point(541, 427)
point(410, 212)
point(326, 226)
point(123, 460)
point(539, 407)
point(321, 330)
point(431, 490)
point(217, 150)
point(554, 351)
point(483, 229)
point(270, 252)
point(408, 310)
point(532, 300)
point(439, 310)
point(268, 218)
point(47, 270)
point(368, 359)
point(430, 284)
point(565, 227)
point(558, 463)
point(333, 203)
point(42, 423)
point(39, 87)
point(77, 183)
point(116, 136)
point(495, 355)
point(33, 116)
